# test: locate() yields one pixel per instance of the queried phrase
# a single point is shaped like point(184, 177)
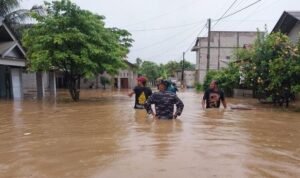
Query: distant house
point(125, 79)
point(222, 46)
point(12, 63)
point(289, 24)
point(189, 77)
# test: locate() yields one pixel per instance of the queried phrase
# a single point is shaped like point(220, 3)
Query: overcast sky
point(163, 29)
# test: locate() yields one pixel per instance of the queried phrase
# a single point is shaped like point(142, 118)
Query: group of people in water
point(165, 99)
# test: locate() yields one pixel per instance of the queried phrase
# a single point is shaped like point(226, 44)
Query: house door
point(124, 83)
point(5, 82)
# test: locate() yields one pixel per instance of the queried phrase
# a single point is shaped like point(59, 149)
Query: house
point(12, 63)
point(125, 79)
point(15, 82)
point(189, 77)
point(222, 47)
point(289, 24)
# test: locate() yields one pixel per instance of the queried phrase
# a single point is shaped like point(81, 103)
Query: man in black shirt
point(141, 93)
point(213, 96)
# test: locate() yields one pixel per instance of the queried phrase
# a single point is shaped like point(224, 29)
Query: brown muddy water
point(102, 136)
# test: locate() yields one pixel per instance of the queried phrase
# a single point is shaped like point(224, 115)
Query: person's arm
point(147, 105)
point(224, 103)
point(179, 106)
point(132, 92)
point(204, 99)
point(203, 103)
point(223, 100)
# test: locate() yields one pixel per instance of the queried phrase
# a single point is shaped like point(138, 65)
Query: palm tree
point(16, 19)
point(7, 6)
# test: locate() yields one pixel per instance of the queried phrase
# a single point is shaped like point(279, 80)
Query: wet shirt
point(213, 98)
point(141, 95)
point(164, 104)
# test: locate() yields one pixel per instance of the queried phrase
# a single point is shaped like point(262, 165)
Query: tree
point(162, 71)
point(272, 67)
point(7, 6)
point(171, 67)
point(187, 65)
point(104, 81)
point(12, 16)
point(139, 62)
point(227, 78)
point(76, 42)
point(150, 70)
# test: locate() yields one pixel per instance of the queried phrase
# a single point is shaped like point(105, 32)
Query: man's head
point(142, 81)
point(163, 85)
point(213, 84)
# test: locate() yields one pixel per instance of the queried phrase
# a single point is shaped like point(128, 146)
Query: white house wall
point(222, 47)
point(16, 78)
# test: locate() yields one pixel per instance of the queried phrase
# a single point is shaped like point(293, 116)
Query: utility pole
point(208, 46)
point(182, 71)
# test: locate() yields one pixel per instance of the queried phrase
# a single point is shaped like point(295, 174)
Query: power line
point(258, 9)
point(160, 42)
point(165, 28)
point(232, 4)
point(187, 36)
point(239, 10)
point(161, 15)
point(192, 44)
point(241, 2)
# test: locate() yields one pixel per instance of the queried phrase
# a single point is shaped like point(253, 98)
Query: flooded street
point(103, 136)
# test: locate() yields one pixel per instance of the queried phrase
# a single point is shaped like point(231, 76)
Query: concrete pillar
point(16, 80)
point(40, 85)
point(52, 84)
point(119, 82)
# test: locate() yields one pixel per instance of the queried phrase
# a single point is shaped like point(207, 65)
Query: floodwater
point(102, 136)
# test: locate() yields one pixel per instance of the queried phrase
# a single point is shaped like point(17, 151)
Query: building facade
point(12, 63)
point(189, 78)
point(222, 47)
point(125, 79)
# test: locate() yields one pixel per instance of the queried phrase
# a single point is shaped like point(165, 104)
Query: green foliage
point(74, 41)
point(154, 71)
point(104, 81)
point(272, 66)
point(163, 73)
point(199, 87)
point(227, 78)
point(174, 66)
point(171, 67)
point(150, 70)
point(6, 6)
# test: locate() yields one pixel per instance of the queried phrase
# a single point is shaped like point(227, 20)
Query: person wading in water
point(141, 93)
point(164, 102)
point(213, 96)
